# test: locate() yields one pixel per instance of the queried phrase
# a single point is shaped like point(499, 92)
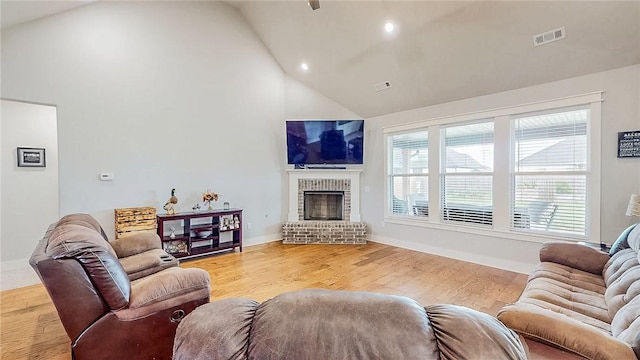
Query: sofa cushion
point(619, 263)
point(147, 263)
point(626, 324)
point(136, 244)
point(85, 220)
point(573, 278)
point(623, 290)
point(68, 233)
point(96, 257)
point(573, 293)
point(577, 256)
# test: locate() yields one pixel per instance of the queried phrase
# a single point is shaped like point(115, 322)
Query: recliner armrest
point(164, 290)
point(146, 263)
point(136, 244)
point(577, 256)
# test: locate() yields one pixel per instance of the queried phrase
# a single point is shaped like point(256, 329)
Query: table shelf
point(223, 230)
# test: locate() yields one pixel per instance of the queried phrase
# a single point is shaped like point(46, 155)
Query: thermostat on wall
point(106, 176)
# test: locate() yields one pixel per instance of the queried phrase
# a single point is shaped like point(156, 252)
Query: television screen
point(316, 142)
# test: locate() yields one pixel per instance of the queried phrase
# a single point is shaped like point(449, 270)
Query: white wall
point(302, 102)
point(620, 177)
point(29, 194)
point(164, 95)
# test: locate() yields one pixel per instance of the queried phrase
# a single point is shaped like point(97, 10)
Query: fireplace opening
point(323, 205)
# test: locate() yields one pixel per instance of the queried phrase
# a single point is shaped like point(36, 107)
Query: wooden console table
point(191, 234)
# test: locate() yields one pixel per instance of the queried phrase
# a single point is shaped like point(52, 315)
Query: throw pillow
point(621, 242)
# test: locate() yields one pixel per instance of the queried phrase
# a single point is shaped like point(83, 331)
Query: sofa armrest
point(561, 331)
point(456, 327)
point(136, 244)
point(577, 256)
point(218, 330)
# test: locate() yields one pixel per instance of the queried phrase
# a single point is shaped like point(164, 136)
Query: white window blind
point(408, 173)
point(551, 172)
point(467, 173)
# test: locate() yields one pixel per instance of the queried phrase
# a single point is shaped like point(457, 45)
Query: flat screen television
point(320, 142)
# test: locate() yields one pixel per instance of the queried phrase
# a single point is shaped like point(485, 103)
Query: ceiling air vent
point(549, 36)
point(382, 86)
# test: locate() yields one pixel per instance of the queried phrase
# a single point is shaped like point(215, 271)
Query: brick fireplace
point(324, 207)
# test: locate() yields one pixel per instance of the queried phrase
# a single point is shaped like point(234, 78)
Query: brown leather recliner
point(331, 324)
point(105, 313)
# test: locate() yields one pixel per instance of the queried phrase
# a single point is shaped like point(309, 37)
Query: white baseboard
point(500, 263)
point(261, 239)
point(17, 273)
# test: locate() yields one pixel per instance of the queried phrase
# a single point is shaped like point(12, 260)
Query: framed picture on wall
point(31, 157)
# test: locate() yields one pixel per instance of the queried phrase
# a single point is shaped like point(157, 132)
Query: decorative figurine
point(171, 203)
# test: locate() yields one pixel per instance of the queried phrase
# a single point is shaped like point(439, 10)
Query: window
point(467, 173)
point(408, 173)
point(523, 172)
point(550, 172)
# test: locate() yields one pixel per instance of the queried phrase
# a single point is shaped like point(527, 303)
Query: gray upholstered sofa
point(331, 324)
point(118, 300)
point(583, 300)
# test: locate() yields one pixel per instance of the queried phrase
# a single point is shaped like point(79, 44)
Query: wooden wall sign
point(629, 144)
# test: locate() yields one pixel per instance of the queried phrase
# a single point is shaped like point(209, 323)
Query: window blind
point(550, 172)
point(408, 179)
point(467, 173)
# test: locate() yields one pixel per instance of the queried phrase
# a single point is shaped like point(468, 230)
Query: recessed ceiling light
point(304, 66)
point(388, 27)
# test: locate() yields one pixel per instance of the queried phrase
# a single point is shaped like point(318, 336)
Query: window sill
point(533, 237)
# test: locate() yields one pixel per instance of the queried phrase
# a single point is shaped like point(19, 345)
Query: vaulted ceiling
point(439, 51)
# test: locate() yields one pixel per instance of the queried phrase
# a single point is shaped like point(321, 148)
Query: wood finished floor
point(30, 328)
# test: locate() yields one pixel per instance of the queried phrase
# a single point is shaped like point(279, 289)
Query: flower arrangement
point(209, 196)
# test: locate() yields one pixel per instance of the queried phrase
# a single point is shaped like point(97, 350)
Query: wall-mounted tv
point(319, 142)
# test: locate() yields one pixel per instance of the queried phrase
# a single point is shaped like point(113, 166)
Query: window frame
point(502, 168)
point(390, 175)
point(465, 216)
point(586, 172)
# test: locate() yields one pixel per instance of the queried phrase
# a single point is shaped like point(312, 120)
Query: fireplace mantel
point(353, 175)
